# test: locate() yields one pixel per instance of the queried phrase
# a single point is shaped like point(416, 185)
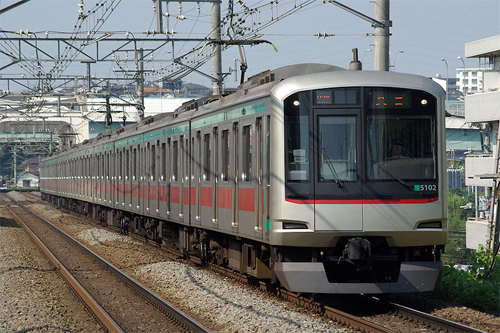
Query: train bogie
point(296, 177)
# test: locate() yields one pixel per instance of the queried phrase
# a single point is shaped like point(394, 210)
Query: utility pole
point(217, 56)
point(15, 165)
point(381, 39)
point(382, 24)
point(139, 64)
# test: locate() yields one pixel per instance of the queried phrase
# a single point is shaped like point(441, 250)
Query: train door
point(162, 181)
point(134, 188)
point(157, 177)
point(215, 179)
point(186, 178)
point(196, 178)
point(206, 191)
point(225, 180)
point(107, 179)
point(337, 185)
point(169, 176)
point(247, 182)
point(235, 173)
point(174, 198)
point(259, 174)
point(181, 176)
point(145, 179)
point(267, 193)
point(128, 179)
point(121, 179)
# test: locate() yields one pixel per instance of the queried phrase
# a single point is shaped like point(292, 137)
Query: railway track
point(344, 317)
point(118, 302)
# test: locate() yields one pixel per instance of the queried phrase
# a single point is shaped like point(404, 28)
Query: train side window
point(134, 164)
point(153, 162)
point(175, 159)
point(297, 146)
point(206, 157)
point(225, 156)
point(163, 161)
point(186, 160)
point(127, 166)
point(246, 175)
point(120, 165)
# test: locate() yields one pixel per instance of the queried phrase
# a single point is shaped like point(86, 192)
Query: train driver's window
point(337, 156)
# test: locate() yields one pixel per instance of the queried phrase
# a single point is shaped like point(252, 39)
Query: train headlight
point(296, 103)
point(432, 225)
point(423, 102)
point(293, 225)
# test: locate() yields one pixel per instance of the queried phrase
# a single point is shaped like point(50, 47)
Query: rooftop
point(487, 47)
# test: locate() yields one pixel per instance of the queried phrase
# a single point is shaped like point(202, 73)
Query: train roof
point(356, 79)
point(280, 83)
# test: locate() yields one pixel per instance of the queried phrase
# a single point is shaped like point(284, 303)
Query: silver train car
point(321, 179)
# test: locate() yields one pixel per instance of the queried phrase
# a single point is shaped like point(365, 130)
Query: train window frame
point(175, 160)
point(152, 162)
point(225, 160)
point(415, 113)
point(332, 97)
point(163, 161)
point(298, 125)
point(120, 165)
point(246, 148)
point(127, 165)
point(207, 157)
point(328, 162)
point(134, 162)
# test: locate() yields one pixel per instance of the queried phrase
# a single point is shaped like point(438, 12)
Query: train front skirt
point(310, 277)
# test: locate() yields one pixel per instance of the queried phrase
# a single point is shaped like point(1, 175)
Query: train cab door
point(259, 177)
point(337, 183)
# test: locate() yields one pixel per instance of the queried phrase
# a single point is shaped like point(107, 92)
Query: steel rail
point(168, 308)
point(91, 303)
point(436, 322)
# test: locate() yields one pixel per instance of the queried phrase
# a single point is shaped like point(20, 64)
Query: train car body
point(326, 180)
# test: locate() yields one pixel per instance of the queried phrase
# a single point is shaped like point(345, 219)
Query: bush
point(477, 288)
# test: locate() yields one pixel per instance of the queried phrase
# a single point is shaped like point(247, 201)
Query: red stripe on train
point(225, 198)
point(361, 202)
point(206, 196)
point(246, 200)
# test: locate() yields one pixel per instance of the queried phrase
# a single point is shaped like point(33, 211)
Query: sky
point(425, 30)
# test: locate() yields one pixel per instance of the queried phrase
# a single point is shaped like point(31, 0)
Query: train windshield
point(366, 142)
point(401, 137)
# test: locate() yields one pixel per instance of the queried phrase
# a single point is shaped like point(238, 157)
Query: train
point(320, 179)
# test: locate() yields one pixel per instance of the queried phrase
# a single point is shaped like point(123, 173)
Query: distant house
point(33, 165)
point(28, 179)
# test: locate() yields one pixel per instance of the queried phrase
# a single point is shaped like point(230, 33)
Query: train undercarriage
point(353, 262)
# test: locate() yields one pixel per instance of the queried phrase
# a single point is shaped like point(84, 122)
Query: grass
point(477, 288)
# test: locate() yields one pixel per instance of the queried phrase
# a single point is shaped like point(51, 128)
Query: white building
point(469, 79)
point(483, 106)
point(27, 179)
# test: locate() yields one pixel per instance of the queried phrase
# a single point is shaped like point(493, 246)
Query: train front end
point(358, 192)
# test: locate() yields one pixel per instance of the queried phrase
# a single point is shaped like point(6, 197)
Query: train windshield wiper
point(332, 168)
point(405, 184)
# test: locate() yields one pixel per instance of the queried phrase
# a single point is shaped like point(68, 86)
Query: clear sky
point(427, 30)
